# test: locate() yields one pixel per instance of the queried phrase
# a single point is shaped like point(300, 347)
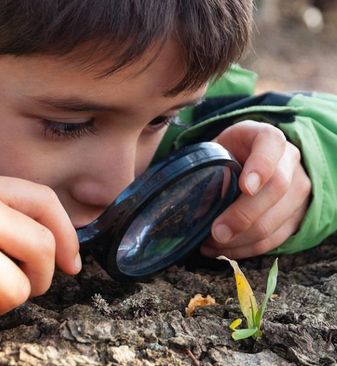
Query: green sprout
point(247, 301)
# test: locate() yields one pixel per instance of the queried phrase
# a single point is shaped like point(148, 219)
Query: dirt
point(91, 319)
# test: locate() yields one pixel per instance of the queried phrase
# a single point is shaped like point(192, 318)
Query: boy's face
point(85, 137)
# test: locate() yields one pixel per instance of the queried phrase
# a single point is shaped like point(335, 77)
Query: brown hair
point(211, 33)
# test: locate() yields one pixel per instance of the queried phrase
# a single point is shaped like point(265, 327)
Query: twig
point(194, 360)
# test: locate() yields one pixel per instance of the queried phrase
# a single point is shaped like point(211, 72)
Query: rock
point(123, 355)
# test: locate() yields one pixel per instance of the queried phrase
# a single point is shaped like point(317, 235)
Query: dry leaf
point(198, 301)
point(274, 297)
point(245, 293)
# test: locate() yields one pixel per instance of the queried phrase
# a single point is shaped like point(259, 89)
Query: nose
point(102, 175)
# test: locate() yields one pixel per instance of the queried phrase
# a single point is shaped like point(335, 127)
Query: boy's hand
point(35, 231)
point(275, 193)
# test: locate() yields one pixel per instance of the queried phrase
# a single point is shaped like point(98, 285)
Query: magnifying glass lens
point(165, 213)
point(169, 225)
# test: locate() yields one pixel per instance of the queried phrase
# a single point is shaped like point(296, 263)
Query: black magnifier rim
point(155, 179)
point(146, 184)
point(104, 234)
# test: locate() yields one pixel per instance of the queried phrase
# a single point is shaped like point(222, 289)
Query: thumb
point(258, 147)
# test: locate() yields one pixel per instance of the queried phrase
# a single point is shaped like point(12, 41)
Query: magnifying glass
point(165, 214)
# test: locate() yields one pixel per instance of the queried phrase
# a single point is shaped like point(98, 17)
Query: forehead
point(150, 77)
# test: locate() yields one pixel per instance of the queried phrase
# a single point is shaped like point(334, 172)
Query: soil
point(91, 319)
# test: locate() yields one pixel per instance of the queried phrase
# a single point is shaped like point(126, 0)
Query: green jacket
point(309, 120)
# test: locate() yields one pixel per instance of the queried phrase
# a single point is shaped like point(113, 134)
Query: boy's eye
point(58, 129)
point(162, 121)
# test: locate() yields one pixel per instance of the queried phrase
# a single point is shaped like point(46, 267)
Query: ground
point(289, 56)
point(91, 319)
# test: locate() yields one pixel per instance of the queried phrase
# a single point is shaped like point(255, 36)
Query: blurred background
point(294, 45)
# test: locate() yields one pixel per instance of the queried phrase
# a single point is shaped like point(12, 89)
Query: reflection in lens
point(165, 227)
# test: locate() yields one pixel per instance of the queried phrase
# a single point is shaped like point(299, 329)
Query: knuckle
point(274, 134)
point(295, 152)
point(18, 294)
point(263, 246)
point(306, 186)
point(245, 122)
point(49, 194)
point(25, 289)
point(263, 230)
point(242, 219)
point(47, 241)
point(281, 182)
point(266, 160)
point(42, 289)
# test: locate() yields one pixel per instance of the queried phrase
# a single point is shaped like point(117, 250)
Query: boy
point(87, 91)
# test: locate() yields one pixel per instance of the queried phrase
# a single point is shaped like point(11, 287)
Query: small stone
point(122, 354)
point(182, 341)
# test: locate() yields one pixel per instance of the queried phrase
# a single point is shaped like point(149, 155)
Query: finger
point(258, 146)
point(268, 148)
point(33, 245)
point(42, 205)
point(295, 199)
point(259, 247)
point(246, 210)
point(14, 289)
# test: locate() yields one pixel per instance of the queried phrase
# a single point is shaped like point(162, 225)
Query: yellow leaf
point(198, 301)
point(245, 293)
point(235, 323)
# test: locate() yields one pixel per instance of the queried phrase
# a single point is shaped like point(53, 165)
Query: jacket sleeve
point(315, 133)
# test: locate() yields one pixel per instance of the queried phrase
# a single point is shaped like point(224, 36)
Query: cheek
point(22, 154)
point(25, 155)
point(146, 148)
point(24, 162)
point(19, 158)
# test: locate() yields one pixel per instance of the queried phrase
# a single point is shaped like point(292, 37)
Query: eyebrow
point(191, 103)
point(73, 104)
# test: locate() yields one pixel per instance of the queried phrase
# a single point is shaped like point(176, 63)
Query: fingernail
point(222, 233)
point(78, 262)
point(253, 182)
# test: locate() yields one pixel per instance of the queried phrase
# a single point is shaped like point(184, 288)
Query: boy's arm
point(314, 131)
